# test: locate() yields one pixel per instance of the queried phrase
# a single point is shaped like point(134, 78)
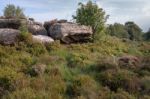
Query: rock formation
point(68, 32)
point(8, 36)
point(42, 39)
point(62, 30)
point(10, 23)
point(36, 28)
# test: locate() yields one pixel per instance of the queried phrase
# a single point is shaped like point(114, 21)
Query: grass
point(75, 71)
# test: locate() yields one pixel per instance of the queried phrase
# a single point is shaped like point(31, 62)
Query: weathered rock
point(62, 21)
point(36, 28)
point(70, 32)
point(8, 36)
point(48, 24)
point(42, 39)
point(10, 23)
point(129, 61)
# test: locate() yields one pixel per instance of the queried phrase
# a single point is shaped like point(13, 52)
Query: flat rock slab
point(10, 23)
point(8, 36)
point(42, 39)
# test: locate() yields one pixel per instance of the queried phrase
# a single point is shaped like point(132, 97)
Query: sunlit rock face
point(42, 39)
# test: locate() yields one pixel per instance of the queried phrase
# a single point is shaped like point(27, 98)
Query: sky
point(120, 11)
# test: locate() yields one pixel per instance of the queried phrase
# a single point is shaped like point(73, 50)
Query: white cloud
point(119, 10)
point(128, 10)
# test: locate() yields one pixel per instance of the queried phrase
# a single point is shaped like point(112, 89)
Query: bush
point(120, 79)
point(36, 49)
point(122, 95)
point(83, 86)
point(25, 36)
point(105, 63)
point(145, 84)
point(11, 11)
point(37, 70)
point(77, 60)
point(8, 79)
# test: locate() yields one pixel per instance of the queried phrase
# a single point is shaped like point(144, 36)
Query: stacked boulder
point(36, 28)
point(67, 32)
point(9, 31)
point(39, 33)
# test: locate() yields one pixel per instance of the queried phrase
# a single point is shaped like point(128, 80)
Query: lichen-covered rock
point(70, 32)
point(36, 28)
point(42, 39)
point(8, 36)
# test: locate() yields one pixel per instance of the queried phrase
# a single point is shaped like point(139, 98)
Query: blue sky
point(119, 10)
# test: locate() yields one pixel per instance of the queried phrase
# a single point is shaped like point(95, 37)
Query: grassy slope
point(80, 71)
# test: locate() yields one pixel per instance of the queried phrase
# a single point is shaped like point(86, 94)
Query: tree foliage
point(134, 31)
point(91, 15)
point(130, 31)
point(11, 11)
point(117, 30)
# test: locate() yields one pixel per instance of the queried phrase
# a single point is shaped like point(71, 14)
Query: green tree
point(19, 12)
point(11, 11)
point(117, 30)
point(134, 31)
point(91, 15)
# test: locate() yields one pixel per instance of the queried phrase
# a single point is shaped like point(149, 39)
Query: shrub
point(26, 93)
point(37, 70)
point(105, 63)
point(11, 11)
point(36, 49)
point(145, 63)
point(24, 36)
point(77, 60)
point(122, 95)
point(120, 79)
point(8, 78)
point(145, 84)
point(83, 86)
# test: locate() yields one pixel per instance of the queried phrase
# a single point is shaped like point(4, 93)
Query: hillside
point(82, 59)
point(32, 70)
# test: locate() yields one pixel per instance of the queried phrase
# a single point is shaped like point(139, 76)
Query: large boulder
point(69, 32)
point(8, 36)
point(36, 28)
point(10, 23)
point(42, 39)
point(48, 24)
